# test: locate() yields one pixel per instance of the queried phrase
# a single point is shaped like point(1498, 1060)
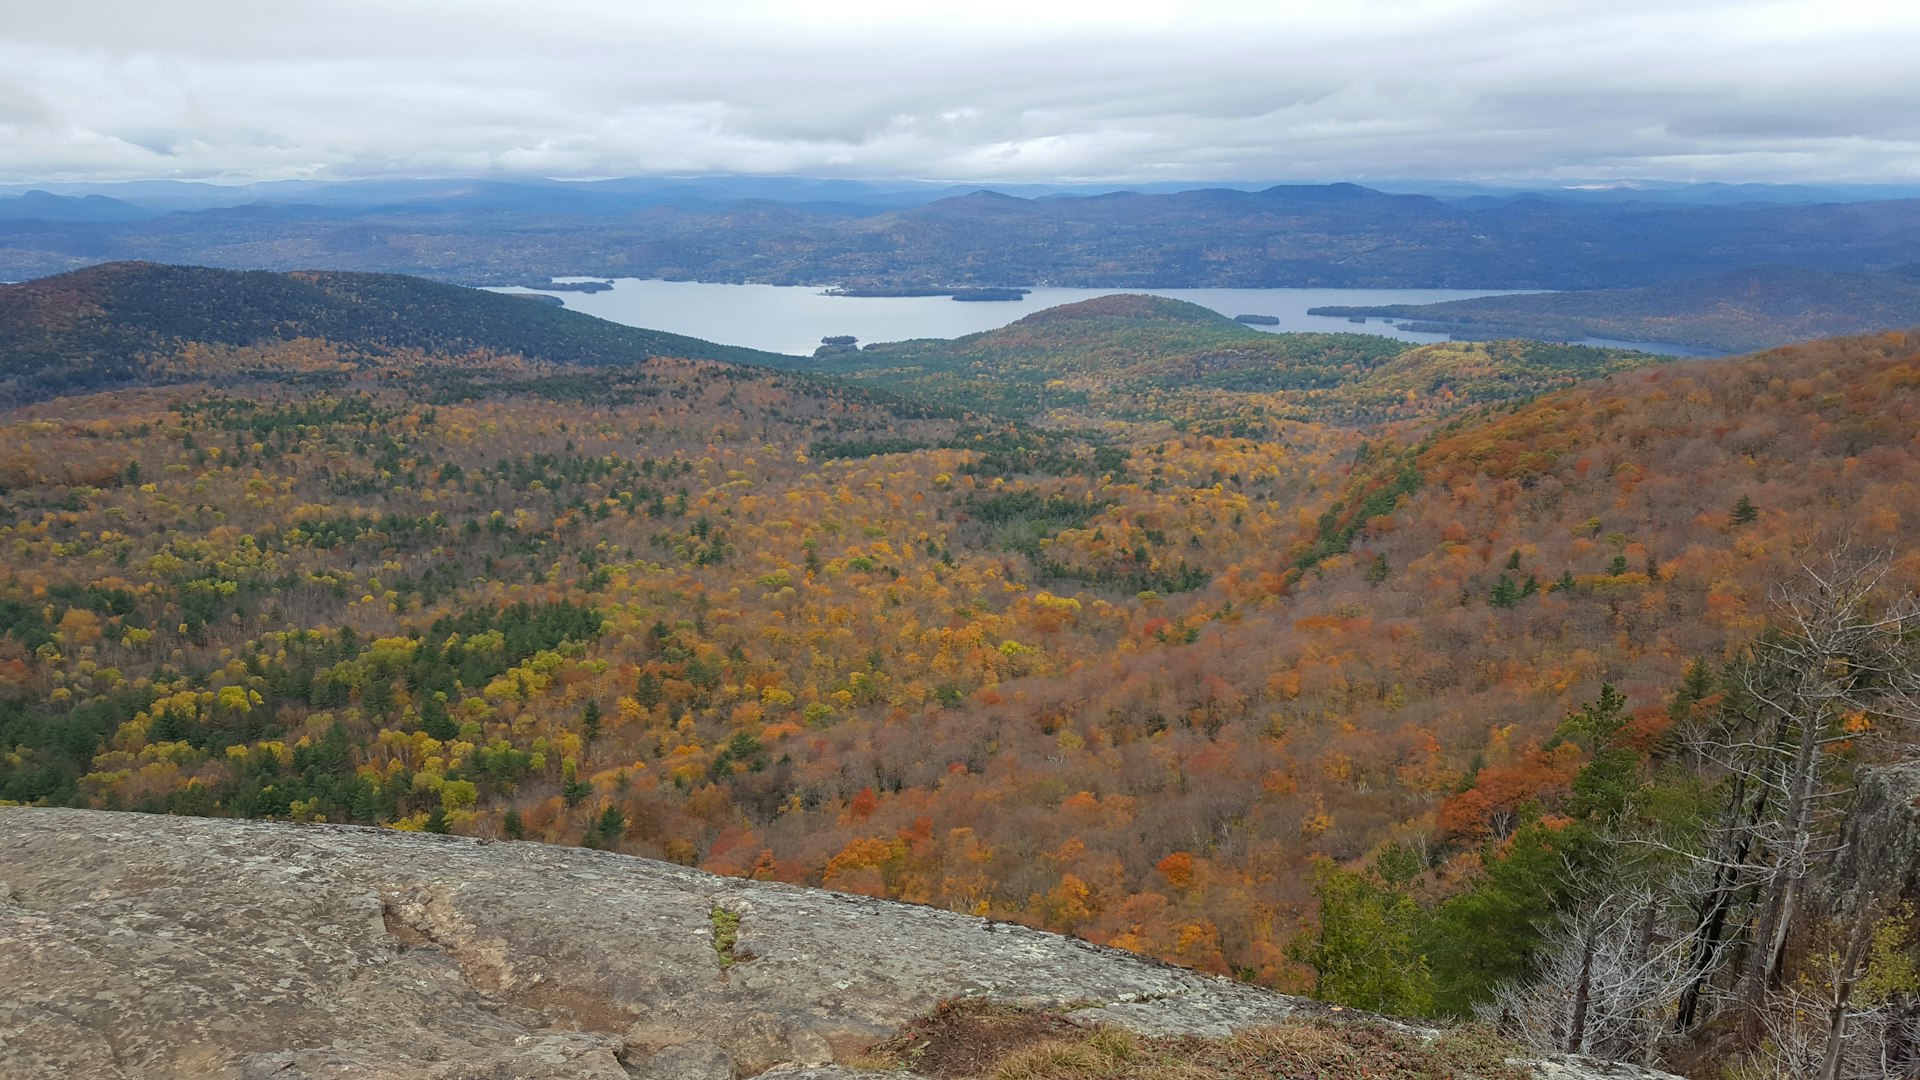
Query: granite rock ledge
point(136, 946)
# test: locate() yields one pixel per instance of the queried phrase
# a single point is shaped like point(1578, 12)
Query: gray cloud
point(988, 89)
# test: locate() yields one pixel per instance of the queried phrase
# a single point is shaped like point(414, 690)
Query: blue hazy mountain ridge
point(181, 194)
point(38, 205)
point(1338, 235)
point(178, 195)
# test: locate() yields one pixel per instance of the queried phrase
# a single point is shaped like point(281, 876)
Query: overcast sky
point(1805, 90)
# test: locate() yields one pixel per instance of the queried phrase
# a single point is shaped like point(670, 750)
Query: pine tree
point(647, 693)
point(1365, 953)
point(1505, 593)
point(1475, 940)
point(590, 721)
point(1601, 788)
point(435, 721)
point(437, 821)
point(1744, 512)
point(511, 824)
point(366, 803)
point(1695, 687)
point(608, 828)
point(167, 727)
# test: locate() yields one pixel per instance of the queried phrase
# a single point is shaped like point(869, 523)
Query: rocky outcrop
point(1880, 844)
point(140, 946)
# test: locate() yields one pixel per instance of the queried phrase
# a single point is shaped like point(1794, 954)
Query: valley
point(1125, 620)
point(989, 541)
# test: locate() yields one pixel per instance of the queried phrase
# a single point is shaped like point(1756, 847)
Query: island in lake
point(970, 293)
point(1258, 320)
point(835, 344)
point(574, 286)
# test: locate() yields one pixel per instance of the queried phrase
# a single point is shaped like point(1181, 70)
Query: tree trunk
point(1857, 945)
point(1643, 953)
point(1577, 1027)
point(1710, 931)
point(1770, 941)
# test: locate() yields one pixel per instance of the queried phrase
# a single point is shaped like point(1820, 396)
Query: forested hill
point(1062, 353)
point(1752, 308)
point(1149, 356)
point(1151, 691)
point(1695, 545)
point(110, 325)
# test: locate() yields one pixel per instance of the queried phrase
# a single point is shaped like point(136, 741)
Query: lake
point(793, 318)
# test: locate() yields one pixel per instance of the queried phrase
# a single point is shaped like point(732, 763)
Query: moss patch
point(726, 934)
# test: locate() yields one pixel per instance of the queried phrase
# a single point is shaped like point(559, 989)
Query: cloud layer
point(1798, 90)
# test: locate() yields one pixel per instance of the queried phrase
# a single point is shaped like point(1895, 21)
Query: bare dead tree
point(1815, 1027)
point(1608, 980)
point(1844, 964)
point(1833, 681)
point(1838, 669)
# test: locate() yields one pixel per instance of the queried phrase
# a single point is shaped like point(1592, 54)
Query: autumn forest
point(1565, 688)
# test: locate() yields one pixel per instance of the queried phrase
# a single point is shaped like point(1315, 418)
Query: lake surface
point(793, 318)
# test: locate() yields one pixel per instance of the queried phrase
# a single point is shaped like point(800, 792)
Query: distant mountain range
point(37, 205)
point(827, 232)
point(183, 194)
point(1745, 309)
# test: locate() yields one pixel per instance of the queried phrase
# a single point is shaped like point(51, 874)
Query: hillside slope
point(110, 325)
point(1141, 355)
point(144, 946)
point(1141, 678)
point(1754, 308)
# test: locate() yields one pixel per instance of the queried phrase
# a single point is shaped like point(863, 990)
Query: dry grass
point(968, 1038)
point(1096, 1053)
point(973, 1040)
